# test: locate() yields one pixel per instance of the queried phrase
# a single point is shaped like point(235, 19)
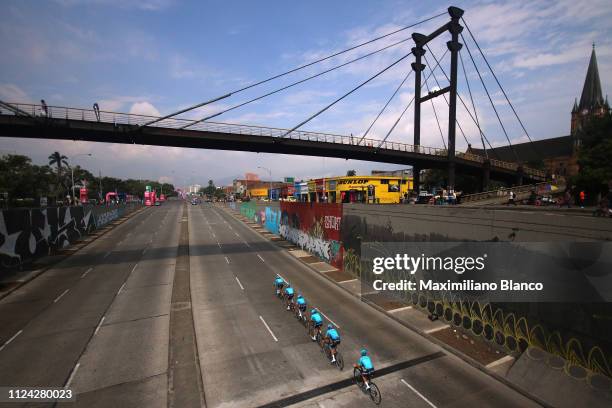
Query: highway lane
point(248, 363)
point(98, 320)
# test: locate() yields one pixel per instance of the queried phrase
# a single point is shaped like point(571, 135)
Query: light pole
point(269, 175)
point(72, 172)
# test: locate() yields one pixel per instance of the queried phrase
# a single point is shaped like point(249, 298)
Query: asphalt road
point(99, 322)
point(253, 352)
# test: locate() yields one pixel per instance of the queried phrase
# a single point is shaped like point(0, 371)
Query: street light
point(72, 172)
point(269, 175)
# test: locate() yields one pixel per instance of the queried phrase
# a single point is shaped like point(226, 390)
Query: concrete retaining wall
point(26, 234)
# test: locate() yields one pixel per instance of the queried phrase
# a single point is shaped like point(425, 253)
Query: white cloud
point(13, 93)
point(144, 108)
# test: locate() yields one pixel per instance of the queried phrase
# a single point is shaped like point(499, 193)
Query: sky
point(157, 56)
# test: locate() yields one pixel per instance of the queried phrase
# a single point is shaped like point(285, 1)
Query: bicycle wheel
point(339, 361)
point(357, 377)
point(375, 393)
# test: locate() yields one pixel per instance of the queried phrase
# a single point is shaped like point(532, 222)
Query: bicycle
point(312, 330)
point(328, 353)
point(300, 315)
point(373, 391)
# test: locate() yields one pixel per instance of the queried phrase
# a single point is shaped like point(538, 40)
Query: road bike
point(373, 391)
point(315, 332)
point(327, 349)
point(300, 315)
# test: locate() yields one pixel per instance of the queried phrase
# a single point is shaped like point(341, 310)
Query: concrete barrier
point(26, 234)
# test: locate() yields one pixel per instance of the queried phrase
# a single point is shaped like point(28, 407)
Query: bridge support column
point(519, 175)
point(486, 176)
point(453, 46)
point(416, 179)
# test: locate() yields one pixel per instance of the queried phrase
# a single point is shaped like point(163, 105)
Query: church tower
point(592, 103)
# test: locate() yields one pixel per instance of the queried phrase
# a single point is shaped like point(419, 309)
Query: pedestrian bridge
point(56, 122)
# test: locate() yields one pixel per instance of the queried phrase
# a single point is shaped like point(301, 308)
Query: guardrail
point(62, 112)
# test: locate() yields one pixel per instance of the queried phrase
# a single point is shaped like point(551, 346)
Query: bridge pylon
point(454, 46)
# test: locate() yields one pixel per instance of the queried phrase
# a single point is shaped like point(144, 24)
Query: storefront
point(361, 189)
point(258, 193)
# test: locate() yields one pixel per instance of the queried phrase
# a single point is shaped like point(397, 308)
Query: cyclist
point(332, 339)
point(301, 303)
point(317, 321)
point(279, 283)
point(365, 367)
point(289, 295)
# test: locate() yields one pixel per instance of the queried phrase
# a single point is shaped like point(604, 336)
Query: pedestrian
point(511, 198)
point(582, 197)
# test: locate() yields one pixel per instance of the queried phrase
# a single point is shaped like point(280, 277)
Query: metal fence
point(61, 112)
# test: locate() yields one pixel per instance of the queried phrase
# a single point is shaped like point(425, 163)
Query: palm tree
point(57, 159)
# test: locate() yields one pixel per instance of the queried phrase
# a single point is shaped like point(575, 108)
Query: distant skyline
point(157, 56)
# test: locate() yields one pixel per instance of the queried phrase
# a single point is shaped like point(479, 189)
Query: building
point(194, 188)
point(357, 189)
point(558, 155)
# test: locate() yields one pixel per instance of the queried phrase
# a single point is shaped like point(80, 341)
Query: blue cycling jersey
point(289, 291)
point(278, 281)
point(301, 301)
point(366, 363)
point(333, 334)
point(316, 318)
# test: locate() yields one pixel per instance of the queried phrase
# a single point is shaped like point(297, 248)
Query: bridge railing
point(62, 112)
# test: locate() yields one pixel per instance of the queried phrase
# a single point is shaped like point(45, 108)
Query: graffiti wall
point(267, 215)
point(314, 227)
point(26, 234)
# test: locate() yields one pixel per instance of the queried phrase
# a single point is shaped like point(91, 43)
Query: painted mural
point(314, 227)
point(268, 216)
point(26, 234)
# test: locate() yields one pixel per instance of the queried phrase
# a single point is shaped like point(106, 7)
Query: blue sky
point(156, 56)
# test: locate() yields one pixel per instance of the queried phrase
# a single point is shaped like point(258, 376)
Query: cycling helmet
point(300, 296)
point(364, 352)
point(329, 327)
point(313, 311)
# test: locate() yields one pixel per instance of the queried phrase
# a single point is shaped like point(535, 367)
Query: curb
point(428, 337)
point(39, 272)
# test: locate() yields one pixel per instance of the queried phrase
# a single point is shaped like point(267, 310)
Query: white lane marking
point(230, 227)
point(418, 393)
point(72, 374)
point(348, 280)
point(218, 243)
point(262, 260)
point(268, 327)
point(134, 268)
point(500, 361)
point(99, 324)
point(144, 251)
point(6, 343)
point(213, 234)
point(238, 235)
point(86, 272)
point(227, 260)
point(399, 309)
point(246, 243)
point(435, 329)
point(121, 288)
point(239, 284)
point(107, 254)
point(332, 322)
point(60, 296)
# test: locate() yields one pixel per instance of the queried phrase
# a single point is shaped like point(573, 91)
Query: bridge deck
point(31, 121)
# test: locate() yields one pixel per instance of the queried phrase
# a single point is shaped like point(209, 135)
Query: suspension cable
point(495, 76)
point(406, 108)
point(467, 81)
point(294, 84)
point(435, 114)
point(490, 99)
point(252, 85)
point(385, 107)
point(346, 94)
point(444, 96)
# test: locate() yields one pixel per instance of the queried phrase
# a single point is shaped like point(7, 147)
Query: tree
point(594, 158)
point(351, 173)
point(57, 159)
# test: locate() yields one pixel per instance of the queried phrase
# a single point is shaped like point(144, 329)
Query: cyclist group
point(331, 338)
